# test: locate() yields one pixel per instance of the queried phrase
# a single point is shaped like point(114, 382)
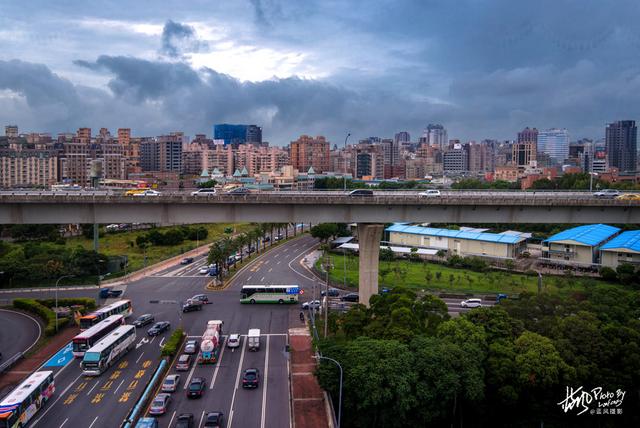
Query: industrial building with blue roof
point(624, 248)
point(579, 245)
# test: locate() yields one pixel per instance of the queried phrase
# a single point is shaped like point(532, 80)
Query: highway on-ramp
point(12, 342)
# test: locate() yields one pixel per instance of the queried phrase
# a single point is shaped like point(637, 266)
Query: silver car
point(170, 383)
point(191, 347)
point(471, 303)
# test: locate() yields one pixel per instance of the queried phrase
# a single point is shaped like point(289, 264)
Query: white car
point(314, 304)
point(204, 192)
point(431, 193)
point(233, 341)
point(204, 270)
point(148, 192)
point(607, 194)
point(471, 303)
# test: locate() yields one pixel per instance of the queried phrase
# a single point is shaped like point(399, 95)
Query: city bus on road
point(102, 355)
point(91, 336)
point(121, 307)
point(17, 408)
point(270, 294)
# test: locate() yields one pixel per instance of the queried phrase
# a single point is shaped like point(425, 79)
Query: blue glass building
point(237, 134)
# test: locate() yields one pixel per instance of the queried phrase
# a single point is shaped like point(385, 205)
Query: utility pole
point(344, 175)
point(326, 295)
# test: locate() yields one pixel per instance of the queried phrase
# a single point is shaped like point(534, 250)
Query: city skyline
point(161, 68)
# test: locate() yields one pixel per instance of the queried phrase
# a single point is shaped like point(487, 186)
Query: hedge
point(172, 345)
point(47, 315)
point(88, 303)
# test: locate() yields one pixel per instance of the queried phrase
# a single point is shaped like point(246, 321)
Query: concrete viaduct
point(369, 212)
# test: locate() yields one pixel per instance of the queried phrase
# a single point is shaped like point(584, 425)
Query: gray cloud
point(178, 39)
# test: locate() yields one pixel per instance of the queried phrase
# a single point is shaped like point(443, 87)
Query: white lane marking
point(278, 262)
point(262, 279)
point(235, 389)
point(266, 262)
point(301, 274)
point(201, 419)
point(285, 250)
point(173, 415)
point(186, 383)
point(94, 421)
point(36, 323)
point(114, 392)
point(270, 269)
point(58, 399)
point(215, 371)
point(154, 338)
point(139, 357)
point(92, 388)
point(249, 278)
point(275, 256)
point(162, 341)
point(62, 424)
point(264, 385)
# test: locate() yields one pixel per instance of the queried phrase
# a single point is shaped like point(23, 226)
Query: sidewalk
point(26, 366)
point(310, 410)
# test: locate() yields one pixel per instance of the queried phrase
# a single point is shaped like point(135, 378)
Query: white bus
point(121, 307)
point(102, 355)
point(23, 403)
point(91, 336)
point(270, 294)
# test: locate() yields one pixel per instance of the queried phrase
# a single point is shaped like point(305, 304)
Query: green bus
point(270, 294)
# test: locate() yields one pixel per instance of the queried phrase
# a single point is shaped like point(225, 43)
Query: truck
point(253, 338)
point(210, 344)
point(106, 293)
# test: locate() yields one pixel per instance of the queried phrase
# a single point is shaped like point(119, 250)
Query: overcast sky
point(482, 68)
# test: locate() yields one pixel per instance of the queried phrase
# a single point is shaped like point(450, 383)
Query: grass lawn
point(117, 244)
point(432, 276)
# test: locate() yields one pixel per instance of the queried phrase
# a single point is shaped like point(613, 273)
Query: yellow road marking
point(70, 399)
point(115, 375)
point(123, 365)
point(146, 364)
point(132, 385)
point(106, 386)
point(97, 398)
point(139, 374)
point(124, 397)
point(81, 387)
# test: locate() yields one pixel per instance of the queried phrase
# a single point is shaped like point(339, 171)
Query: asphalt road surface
point(12, 322)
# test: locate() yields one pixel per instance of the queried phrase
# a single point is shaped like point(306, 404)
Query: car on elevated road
point(629, 197)
point(251, 378)
point(214, 420)
point(171, 383)
point(361, 192)
point(196, 387)
point(148, 192)
point(431, 193)
point(204, 192)
point(233, 341)
point(191, 347)
point(185, 420)
point(160, 404)
point(607, 194)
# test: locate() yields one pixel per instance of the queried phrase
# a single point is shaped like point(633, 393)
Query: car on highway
point(160, 404)
point(185, 420)
point(191, 347)
point(214, 420)
point(204, 192)
point(361, 192)
point(191, 306)
point(251, 378)
point(629, 197)
point(203, 270)
point(147, 423)
point(333, 292)
point(201, 298)
point(184, 363)
point(238, 191)
point(312, 304)
point(143, 320)
point(106, 293)
point(186, 261)
point(132, 192)
point(196, 387)
point(148, 192)
point(431, 193)
point(471, 303)
point(350, 297)
point(171, 383)
point(607, 194)
point(159, 328)
point(233, 341)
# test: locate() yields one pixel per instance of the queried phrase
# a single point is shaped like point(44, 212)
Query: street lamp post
point(57, 282)
point(340, 394)
point(344, 175)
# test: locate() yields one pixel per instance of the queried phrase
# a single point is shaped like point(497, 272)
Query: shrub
point(172, 345)
point(608, 274)
point(46, 314)
point(88, 303)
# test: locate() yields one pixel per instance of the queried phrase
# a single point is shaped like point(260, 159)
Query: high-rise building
point(455, 159)
point(11, 131)
point(402, 137)
point(26, 168)
point(124, 136)
point(84, 135)
point(370, 159)
point(481, 157)
point(435, 135)
point(237, 134)
point(525, 149)
point(163, 154)
point(621, 145)
point(307, 152)
point(555, 143)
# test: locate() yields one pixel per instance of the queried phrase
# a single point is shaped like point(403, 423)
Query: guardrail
point(10, 362)
point(142, 402)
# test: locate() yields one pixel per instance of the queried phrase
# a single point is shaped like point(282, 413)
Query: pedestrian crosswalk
point(192, 270)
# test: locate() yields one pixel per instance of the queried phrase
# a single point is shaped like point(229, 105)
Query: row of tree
point(173, 236)
point(406, 363)
point(335, 183)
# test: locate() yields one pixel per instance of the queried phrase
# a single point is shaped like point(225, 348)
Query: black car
point(214, 420)
point(106, 293)
point(251, 378)
point(143, 320)
point(192, 305)
point(159, 328)
point(186, 261)
point(185, 420)
point(196, 387)
point(333, 292)
point(351, 297)
point(361, 192)
point(238, 191)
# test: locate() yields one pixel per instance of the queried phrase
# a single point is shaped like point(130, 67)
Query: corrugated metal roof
point(590, 234)
point(629, 240)
point(476, 236)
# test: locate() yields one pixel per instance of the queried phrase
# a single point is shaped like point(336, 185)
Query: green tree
point(538, 362)
point(324, 231)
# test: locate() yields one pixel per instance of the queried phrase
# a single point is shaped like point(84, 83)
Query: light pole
point(57, 282)
point(591, 174)
point(340, 394)
point(344, 175)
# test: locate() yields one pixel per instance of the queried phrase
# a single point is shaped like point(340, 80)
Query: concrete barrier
point(142, 402)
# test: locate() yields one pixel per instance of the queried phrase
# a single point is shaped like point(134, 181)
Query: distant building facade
point(621, 145)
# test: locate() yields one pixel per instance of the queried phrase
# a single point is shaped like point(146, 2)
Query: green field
point(116, 244)
point(432, 276)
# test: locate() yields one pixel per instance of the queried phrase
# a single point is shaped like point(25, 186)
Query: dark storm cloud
point(36, 83)
point(178, 39)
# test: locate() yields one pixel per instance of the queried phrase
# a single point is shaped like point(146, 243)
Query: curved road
point(18, 333)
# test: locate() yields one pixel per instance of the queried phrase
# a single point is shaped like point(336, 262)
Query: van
point(253, 339)
point(361, 192)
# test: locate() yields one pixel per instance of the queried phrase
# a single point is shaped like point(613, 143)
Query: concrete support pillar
point(369, 235)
